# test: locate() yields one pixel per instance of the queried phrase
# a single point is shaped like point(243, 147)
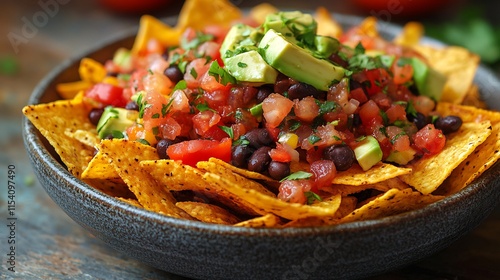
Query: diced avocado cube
point(114, 121)
point(251, 67)
point(297, 62)
point(428, 81)
point(236, 35)
point(368, 153)
point(401, 158)
point(326, 46)
point(291, 24)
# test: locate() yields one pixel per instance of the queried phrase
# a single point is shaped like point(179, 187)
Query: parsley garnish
point(220, 74)
point(313, 139)
point(242, 65)
point(297, 176)
point(228, 130)
point(311, 197)
point(202, 107)
point(182, 84)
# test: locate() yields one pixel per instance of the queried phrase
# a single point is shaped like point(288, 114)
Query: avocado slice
point(297, 62)
point(428, 81)
point(291, 24)
point(368, 153)
point(251, 67)
point(114, 121)
point(240, 38)
point(401, 158)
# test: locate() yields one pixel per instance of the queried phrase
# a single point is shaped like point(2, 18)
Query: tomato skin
point(192, 151)
point(280, 154)
point(107, 94)
point(429, 140)
point(396, 112)
point(293, 191)
point(370, 114)
point(402, 73)
point(276, 107)
point(324, 172)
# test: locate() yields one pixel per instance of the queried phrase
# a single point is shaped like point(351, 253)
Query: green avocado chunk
point(250, 67)
point(293, 25)
point(368, 153)
point(113, 122)
point(401, 158)
point(428, 81)
point(297, 62)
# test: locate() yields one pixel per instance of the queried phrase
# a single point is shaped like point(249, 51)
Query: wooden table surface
point(49, 245)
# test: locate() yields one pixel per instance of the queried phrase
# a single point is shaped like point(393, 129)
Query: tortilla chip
point(131, 201)
point(483, 157)
point(368, 27)
point(467, 113)
point(199, 13)
point(411, 34)
point(355, 176)
point(176, 176)
point(53, 120)
point(70, 90)
point(390, 203)
point(268, 220)
point(246, 173)
point(457, 64)
point(473, 98)
point(91, 71)
point(383, 186)
point(87, 137)
point(151, 27)
point(267, 204)
point(327, 26)
point(100, 168)
point(208, 213)
point(259, 12)
point(111, 187)
point(125, 156)
point(429, 173)
point(347, 205)
point(234, 177)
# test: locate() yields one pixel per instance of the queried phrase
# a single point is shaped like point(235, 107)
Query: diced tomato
point(370, 114)
point(157, 82)
point(170, 129)
point(137, 132)
point(107, 94)
point(293, 191)
point(400, 141)
point(215, 133)
point(218, 31)
point(210, 49)
point(192, 151)
point(209, 83)
point(306, 109)
point(324, 172)
point(180, 102)
point(359, 94)
point(423, 104)
point(402, 73)
point(429, 140)
point(195, 71)
point(276, 107)
point(273, 132)
point(376, 79)
point(280, 154)
point(396, 112)
point(203, 121)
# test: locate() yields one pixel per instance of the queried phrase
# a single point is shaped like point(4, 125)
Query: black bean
point(301, 90)
point(95, 115)
point(260, 159)
point(354, 120)
point(448, 124)
point(174, 73)
point(162, 146)
point(420, 120)
point(342, 155)
point(240, 155)
point(132, 106)
point(258, 137)
point(278, 170)
point(263, 92)
point(282, 84)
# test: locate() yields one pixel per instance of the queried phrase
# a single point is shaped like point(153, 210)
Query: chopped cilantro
point(297, 176)
point(193, 73)
point(155, 130)
point(155, 116)
point(143, 141)
point(117, 134)
point(311, 197)
point(241, 141)
point(228, 130)
point(203, 107)
point(220, 74)
point(242, 65)
point(313, 139)
point(182, 84)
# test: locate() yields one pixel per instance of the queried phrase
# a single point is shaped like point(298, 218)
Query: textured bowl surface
point(207, 251)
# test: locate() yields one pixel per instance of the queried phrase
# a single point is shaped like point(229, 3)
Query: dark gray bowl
point(207, 251)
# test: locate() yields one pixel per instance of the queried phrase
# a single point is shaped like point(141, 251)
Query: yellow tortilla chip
point(368, 27)
point(327, 26)
point(91, 71)
point(125, 156)
point(151, 27)
point(383, 186)
point(356, 176)
point(131, 201)
point(177, 176)
point(267, 204)
point(483, 157)
point(467, 113)
point(347, 205)
point(246, 173)
point(234, 177)
point(457, 64)
point(429, 173)
point(410, 35)
point(208, 213)
point(259, 12)
point(199, 13)
point(390, 203)
point(71, 89)
point(53, 120)
point(473, 98)
point(100, 168)
point(268, 220)
point(111, 187)
point(87, 137)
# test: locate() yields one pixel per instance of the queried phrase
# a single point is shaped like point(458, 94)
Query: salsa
point(190, 102)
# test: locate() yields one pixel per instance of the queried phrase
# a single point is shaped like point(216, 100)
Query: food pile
point(273, 119)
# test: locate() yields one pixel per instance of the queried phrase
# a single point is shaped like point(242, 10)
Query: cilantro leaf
point(220, 74)
point(297, 176)
point(311, 197)
point(228, 130)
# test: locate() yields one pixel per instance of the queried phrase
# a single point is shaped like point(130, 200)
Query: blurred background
point(38, 35)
